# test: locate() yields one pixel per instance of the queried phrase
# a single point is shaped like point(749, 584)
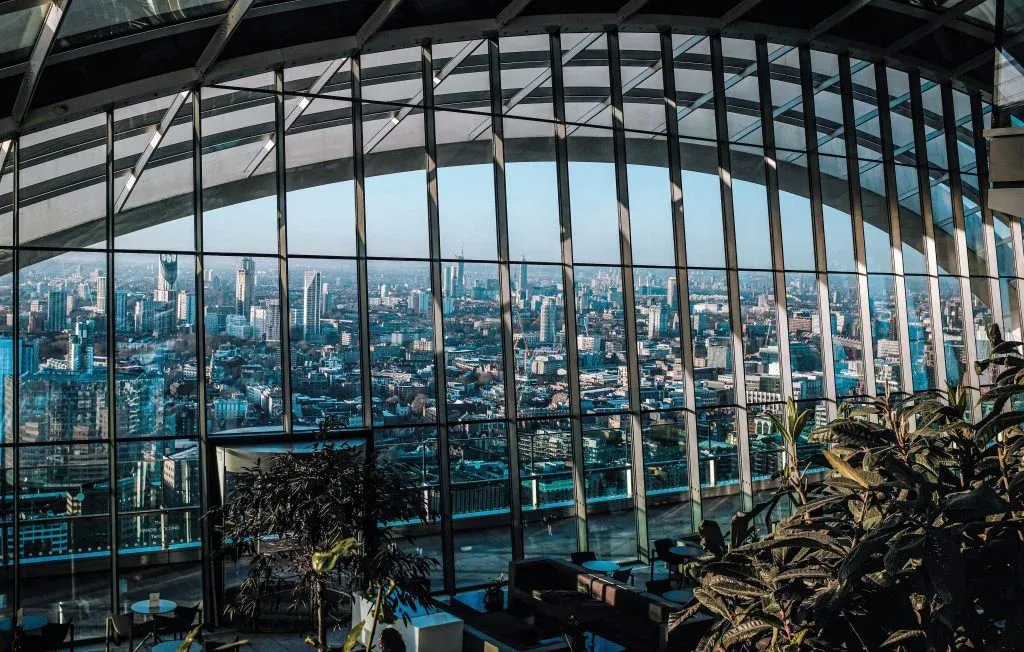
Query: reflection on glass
point(919, 326)
point(323, 321)
point(885, 331)
point(805, 357)
point(719, 464)
point(953, 333)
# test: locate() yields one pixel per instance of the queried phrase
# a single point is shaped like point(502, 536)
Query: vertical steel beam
point(895, 235)
point(857, 216)
point(109, 304)
point(771, 182)
point(931, 263)
point(15, 434)
point(440, 382)
point(808, 91)
point(682, 277)
point(960, 238)
point(569, 290)
point(981, 167)
point(505, 289)
point(284, 303)
point(362, 281)
point(732, 272)
point(628, 298)
point(213, 579)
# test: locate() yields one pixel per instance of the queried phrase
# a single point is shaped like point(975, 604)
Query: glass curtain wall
point(561, 279)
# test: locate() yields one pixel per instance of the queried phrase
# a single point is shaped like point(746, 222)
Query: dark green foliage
point(288, 521)
point(915, 542)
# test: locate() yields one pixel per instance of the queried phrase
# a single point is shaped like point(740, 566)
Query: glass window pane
point(650, 200)
point(750, 204)
point(694, 96)
point(531, 185)
point(742, 96)
point(63, 386)
point(787, 98)
point(804, 336)
point(538, 332)
point(643, 95)
point(318, 178)
point(601, 340)
point(243, 344)
point(981, 307)
point(760, 334)
point(155, 334)
point(480, 501)
point(465, 187)
point(953, 330)
point(154, 174)
point(323, 322)
point(719, 465)
point(239, 190)
point(657, 316)
point(919, 324)
point(666, 475)
point(847, 345)
point(401, 343)
point(611, 519)
point(474, 364)
point(63, 191)
point(546, 488)
point(885, 333)
point(795, 208)
point(712, 338)
point(702, 206)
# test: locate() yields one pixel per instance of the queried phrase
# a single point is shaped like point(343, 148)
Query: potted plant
point(494, 594)
point(315, 529)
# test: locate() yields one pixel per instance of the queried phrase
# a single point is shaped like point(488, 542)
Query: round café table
point(599, 566)
point(686, 551)
point(29, 623)
point(172, 646)
point(144, 608)
point(681, 596)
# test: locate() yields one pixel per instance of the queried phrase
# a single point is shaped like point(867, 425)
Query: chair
point(50, 637)
point(658, 587)
point(579, 557)
point(673, 562)
point(119, 630)
point(177, 625)
point(624, 575)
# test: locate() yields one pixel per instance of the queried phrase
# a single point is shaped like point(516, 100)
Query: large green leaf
point(973, 505)
point(902, 636)
point(842, 467)
point(745, 631)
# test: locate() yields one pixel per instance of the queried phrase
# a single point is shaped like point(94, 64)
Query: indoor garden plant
point(915, 542)
point(316, 528)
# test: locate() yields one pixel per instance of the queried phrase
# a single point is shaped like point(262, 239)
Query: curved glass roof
point(60, 58)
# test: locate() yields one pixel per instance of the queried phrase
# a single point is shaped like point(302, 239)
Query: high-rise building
point(186, 308)
point(121, 318)
point(524, 282)
point(656, 321)
point(56, 310)
point(245, 286)
point(311, 303)
point(549, 321)
point(166, 275)
point(101, 294)
point(272, 323)
point(671, 292)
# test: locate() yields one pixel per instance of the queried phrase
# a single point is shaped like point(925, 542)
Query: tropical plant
point(915, 542)
point(335, 499)
point(790, 427)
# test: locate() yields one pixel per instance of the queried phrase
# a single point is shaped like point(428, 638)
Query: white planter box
point(433, 631)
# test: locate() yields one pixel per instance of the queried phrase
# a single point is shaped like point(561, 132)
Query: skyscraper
point(245, 284)
point(548, 321)
point(656, 319)
point(272, 323)
point(166, 275)
point(311, 303)
point(101, 293)
point(670, 291)
point(523, 279)
point(186, 309)
point(56, 310)
point(120, 311)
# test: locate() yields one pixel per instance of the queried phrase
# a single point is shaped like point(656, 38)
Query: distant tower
point(522, 277)
point(461, 283)
point(311, 303)
point(245, 284)
point(166, 275)
point(670, 291)
point(101, 294)
point(548, 321)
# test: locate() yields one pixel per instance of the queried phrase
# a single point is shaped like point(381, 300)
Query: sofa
point(559, 594)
